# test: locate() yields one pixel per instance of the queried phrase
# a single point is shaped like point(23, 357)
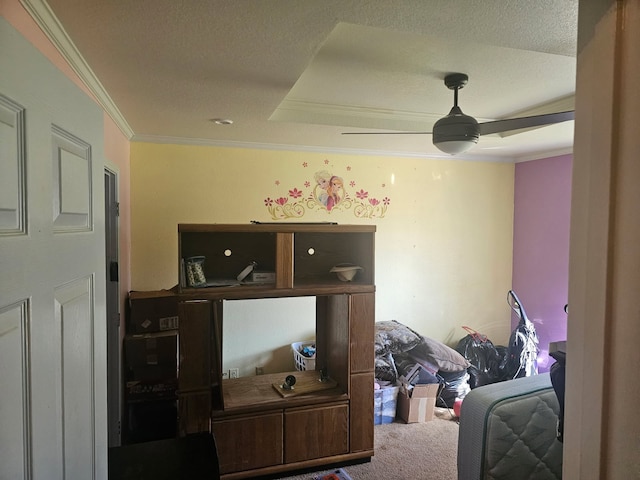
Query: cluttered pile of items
point(415, 373)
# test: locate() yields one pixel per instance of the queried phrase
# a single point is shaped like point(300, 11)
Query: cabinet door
point(362, 329)
point(249, 442)
point(316, 432)
point(195, 345)
point(361, 419)
point(194, 413)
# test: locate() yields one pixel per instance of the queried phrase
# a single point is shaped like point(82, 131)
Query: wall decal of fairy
point(327, 191)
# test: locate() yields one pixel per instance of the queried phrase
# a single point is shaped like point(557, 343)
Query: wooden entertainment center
point(258, 429)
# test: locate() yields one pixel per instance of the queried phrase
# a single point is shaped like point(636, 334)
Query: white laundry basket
point(302, 362)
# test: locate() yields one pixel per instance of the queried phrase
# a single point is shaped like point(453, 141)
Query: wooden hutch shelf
point(259, 429)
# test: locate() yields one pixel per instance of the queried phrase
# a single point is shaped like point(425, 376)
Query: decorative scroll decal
point(327, 190)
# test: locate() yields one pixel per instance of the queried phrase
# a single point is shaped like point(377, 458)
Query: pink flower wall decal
point(268, 202)
point(295, 193)
point(374, 201)
point(386, 200)
point(282, 200)
point(362, 194)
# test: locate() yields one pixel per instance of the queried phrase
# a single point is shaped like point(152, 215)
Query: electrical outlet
point(259, 371)
point(234, 372)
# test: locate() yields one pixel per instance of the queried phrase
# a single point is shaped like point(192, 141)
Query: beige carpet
point(413, 451)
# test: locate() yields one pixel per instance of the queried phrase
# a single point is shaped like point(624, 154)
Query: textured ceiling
point(297, 73)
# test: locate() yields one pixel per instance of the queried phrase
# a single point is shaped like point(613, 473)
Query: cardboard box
point(417, 404)
point(152, 356)
point(151, 312)
point(384, 404)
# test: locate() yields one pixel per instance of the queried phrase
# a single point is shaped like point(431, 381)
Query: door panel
point(12, 167)
point(316, 432)
point(72, 179)
point(74, 318)
point(15, 418)
point(52, 287)
point(249, 442)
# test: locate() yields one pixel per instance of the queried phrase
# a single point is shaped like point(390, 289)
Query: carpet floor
point(414, 451)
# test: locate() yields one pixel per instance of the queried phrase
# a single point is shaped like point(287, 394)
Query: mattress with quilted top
point(508, 431)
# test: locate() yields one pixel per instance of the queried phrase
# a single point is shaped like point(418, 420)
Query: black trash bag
point(483, 356)
point(522, 351)
point(502, 353)
point(557, 374)
point(455, 385)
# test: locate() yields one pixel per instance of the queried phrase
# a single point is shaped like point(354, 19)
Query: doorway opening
point(114, 393)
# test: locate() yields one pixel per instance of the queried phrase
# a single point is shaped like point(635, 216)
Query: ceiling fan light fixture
point(456, 133)
point(454, 147)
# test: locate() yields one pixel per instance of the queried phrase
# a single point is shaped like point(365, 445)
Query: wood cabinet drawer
point(316, 432)
point(248, 443)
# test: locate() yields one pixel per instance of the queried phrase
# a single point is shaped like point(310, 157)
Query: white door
point(52, 275)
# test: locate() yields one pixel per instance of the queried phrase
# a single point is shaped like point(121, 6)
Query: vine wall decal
point(326, 190)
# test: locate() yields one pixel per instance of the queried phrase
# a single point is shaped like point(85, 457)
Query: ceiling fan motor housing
point(456, 127)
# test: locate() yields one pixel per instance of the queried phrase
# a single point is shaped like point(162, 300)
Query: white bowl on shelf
point(345, 272)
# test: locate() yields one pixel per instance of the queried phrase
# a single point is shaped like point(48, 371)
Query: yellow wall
point(443, 245)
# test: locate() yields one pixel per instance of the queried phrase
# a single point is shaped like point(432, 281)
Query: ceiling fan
point(457, 132)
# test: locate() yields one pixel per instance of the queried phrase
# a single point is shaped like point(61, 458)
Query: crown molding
point(302, 111)
point(44, 17)
point(313, 149)
point(546, 154)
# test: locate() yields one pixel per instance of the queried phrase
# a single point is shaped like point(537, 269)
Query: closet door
point(53, 421)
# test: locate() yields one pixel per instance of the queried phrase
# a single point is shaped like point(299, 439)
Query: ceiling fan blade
point(508, 124)
point(386, 133)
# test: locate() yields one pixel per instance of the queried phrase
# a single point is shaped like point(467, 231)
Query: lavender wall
point(541, 247)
